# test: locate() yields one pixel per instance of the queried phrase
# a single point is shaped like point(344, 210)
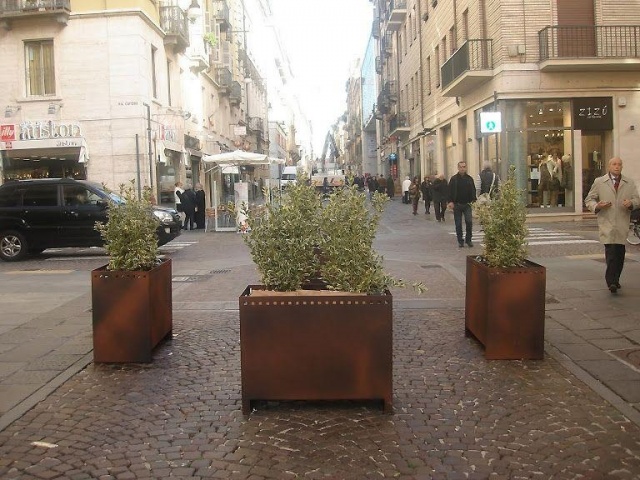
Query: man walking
point(612, 197)
point(462, 193)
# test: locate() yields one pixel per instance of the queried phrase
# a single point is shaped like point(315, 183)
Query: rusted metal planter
point(504, 309)
point(132, 313)
point(311, 347)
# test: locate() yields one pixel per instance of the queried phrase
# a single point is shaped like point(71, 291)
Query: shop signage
point(7, 133)
point(239, 130)
point(168, 133)
point(47, 129)
point(490, 122)
point(593, 113)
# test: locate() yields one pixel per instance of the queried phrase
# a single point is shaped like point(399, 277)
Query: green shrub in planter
point(130, 234)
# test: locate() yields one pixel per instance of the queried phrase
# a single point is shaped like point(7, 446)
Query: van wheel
point(13, 246)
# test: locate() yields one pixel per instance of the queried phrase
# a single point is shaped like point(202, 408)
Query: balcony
point(378, 65)
point(224, 79)
point(174, 22)
point(256, 124)
point(375, 28)
point(235, 93)
point(399, 123)
point(397, 14)
point(391, 90)
point(470, 66)
point(387, 44)
point(589, 48)
point(56, 10)
point(221, 14)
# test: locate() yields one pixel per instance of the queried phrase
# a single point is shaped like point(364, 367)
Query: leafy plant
point(301, 239)
point(210, 38)
point(504, 224)
point(130, 233)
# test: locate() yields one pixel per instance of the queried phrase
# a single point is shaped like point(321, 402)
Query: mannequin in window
point(567, 178)
point(550, 177)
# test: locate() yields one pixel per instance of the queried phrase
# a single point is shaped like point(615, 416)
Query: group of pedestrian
point(380, 184)
point(433, 189)
point(191, 205)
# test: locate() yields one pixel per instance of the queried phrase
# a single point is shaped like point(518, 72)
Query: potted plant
point(210, 38)
point(131, 295)
point(320, 325)
point(505, 292)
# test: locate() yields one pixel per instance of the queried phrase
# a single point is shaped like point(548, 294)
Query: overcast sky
point(323, 38)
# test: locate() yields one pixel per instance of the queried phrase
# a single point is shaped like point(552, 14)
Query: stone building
point(538, 84)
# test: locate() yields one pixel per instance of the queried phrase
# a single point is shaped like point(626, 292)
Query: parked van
point(289, 176)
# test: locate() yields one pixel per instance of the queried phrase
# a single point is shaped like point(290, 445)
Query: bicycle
point(634, 228)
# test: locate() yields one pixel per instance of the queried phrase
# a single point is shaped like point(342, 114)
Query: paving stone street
point(455, 414)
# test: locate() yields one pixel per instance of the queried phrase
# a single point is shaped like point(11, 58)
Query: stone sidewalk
point(456, 415)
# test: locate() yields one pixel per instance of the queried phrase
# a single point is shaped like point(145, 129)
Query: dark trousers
point(460, 210)
point(440, 207)
point(614, 258)
point(405, 197)
point(189, 218)
point(427, 205)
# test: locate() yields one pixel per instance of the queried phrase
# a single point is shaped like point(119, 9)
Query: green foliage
point(504, 224)
point(210, 38)
point(302, 239)
point(130, 234)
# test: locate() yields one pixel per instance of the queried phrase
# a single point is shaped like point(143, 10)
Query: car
point(60, 212)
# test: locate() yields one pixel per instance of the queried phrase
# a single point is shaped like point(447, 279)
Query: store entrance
point(594, 162)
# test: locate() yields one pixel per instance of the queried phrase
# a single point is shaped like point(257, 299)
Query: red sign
point(7, 133)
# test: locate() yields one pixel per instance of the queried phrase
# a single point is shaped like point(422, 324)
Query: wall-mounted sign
point(490, 122)
point(593, 113)
point(239, 130)
point(7, 133)
point(393, 157)
point(45, 129)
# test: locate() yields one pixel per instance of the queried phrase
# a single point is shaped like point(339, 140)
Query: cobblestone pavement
point(455, 416)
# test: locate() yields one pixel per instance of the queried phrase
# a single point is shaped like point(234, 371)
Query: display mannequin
point(567, 179)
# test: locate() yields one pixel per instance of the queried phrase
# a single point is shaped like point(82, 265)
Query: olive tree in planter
point(505, 292)
point(320, 325)
point(131, 295)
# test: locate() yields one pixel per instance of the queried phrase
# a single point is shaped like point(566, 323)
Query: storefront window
point(538, 143)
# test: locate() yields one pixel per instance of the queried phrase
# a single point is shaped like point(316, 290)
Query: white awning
point(239, 158)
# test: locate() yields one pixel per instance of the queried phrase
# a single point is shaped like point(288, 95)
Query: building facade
point(549, 86)
point(112, 91)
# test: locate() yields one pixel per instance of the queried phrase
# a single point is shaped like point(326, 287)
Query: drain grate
point(191, 278)
point(430, 266)
point(222, 270)
point(629, 355)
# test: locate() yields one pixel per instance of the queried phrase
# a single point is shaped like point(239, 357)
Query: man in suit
point(612, 197)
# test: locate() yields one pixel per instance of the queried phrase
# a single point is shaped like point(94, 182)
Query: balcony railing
point(590, 41)
point(472, 55)
point(224, 79)
point(378, 64)
point(398, 121)
point(174, 22)
point(256, 124)
point(58, 10)
point(396, 14)
point(221, 14)
point(235, 93)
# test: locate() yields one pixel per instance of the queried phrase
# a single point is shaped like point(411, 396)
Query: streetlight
point(194, 11)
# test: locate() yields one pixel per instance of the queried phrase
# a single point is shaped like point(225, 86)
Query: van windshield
point(288, 176)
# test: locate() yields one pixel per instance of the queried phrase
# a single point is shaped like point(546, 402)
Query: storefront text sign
point(593, 113)
point(47, 129)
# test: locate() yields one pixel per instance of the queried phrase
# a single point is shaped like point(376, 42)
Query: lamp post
point(148, 107)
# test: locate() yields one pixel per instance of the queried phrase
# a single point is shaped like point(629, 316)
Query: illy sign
point(7, 133)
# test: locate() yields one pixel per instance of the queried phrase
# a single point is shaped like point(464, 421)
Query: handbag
point(485, 198)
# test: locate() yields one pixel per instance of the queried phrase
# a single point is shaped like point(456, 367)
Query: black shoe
point(613, 288)
point(618, 286)
point(461, 244)
point(470, 244)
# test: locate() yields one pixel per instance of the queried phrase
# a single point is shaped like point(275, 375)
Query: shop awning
point(47, 149)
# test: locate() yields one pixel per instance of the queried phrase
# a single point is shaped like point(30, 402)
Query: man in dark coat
point(440, 194)
point(200, 206)
point(425, 188)
point(462, 193)
point(188, 200)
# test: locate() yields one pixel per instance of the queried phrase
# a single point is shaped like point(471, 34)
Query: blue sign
point(393, 157)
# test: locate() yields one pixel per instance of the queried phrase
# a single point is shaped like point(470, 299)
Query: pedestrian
point(382, 184)
point(177, 195)
point(405, 189)
point(425, 188)
point(414, 194)
point(462, 193)
point(391, 186)
point(188, 201)
point(611, 198)
point(440, 195)
point(487, 181)
point(200, 206)
point(373, 185)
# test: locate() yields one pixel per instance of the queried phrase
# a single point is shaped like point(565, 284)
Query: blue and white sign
point(490, 122)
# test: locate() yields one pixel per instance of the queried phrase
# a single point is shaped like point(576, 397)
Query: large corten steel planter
point(132, 313)
point(504, 309)
point(311, 347)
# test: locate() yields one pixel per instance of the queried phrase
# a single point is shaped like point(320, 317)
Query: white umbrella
point(240, 157)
